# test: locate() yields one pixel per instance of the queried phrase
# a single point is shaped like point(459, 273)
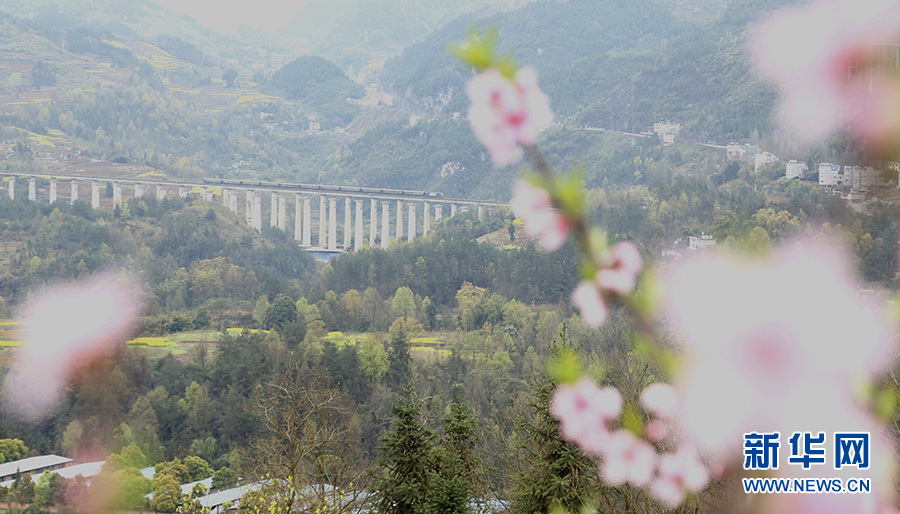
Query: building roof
point(228, 495)
point(31, 463)
point(187, 488)
point(87, 470)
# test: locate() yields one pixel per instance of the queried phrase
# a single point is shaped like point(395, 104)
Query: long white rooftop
point(31, 464)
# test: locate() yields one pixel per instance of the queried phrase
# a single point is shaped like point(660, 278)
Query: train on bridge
point(321, 187)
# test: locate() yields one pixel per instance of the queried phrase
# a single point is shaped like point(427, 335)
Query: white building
point(740, 152)
point(859, 176)
point(794, 169)
point(700, 243)
point(830, 174)
point(32, 465)
point(666, 131)
point(763, 159)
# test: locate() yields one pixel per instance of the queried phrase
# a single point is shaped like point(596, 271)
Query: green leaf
point(565, 367)
point(479, 49)
point(886, 403)
point(632, 421)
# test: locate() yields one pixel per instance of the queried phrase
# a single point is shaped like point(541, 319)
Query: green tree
point(469, 298)
point(230, 76)
point(398, 360)
point(282, 312)
point(174, 468)
point(401, 484)
point(403, 304)
point(555, 473)
point(166, 494)
point(130, 456)
point(198, 469)
point(224, 478)
point(202, 319)
point(12, 449)
point(373, 360)
point(261, 310)
point(22, 489)
point(48, 490)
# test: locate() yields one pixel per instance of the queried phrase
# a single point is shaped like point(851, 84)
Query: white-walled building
point(701, 243)
point(763, 159)
point(830, 174)
point(794, 169)
point(859, 176)
point(666, 131)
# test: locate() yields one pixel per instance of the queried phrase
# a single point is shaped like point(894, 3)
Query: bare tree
point(309, 456)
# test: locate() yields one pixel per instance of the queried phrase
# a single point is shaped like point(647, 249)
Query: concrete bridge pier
point(248, 207)
point(74, 192)
point(298, 219)
point(411, 226)
point(273, 211)
point(12, 188)
point(348, 229)
point(399, 232)
point(426, 221)
point(452, 210)
point(438, 213)
point(139, 190)
point(32, 192)
point(307, 222)
point(282, 212)
point(233, 201)
point(323, 221)
point(95, 195)
point(182, 191)
point(332, 223)
point(52, 190)
point(373, 221)
point(257, 212)
point(160, 192)
point(117, 194)
point(385, 230)
point(480, 212)
point(225, 194)
point(358, 235)
point(204, 193)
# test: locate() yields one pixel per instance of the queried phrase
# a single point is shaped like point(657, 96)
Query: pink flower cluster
point(618, 272)
point(825, 58)
point(587, 413)
point(533, 204)
point(506, 113)
point(65, 327)
point(778, 345)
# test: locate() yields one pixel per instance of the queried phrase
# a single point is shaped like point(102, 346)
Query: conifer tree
point(556, 474)
point(402, 483)
point(398, 360)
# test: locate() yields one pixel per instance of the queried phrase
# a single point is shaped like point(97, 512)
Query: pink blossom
point(533, 205)
point(656, 430)
point(65, 327)
point(761, 336)
point(661, 400)
point(584, 412)
point(587, 299)
point(505, 113)
point(628, 459)
point(621, 265)
point(678, 473)
point(824, 58)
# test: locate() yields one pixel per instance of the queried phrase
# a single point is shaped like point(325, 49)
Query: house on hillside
point(32, 465)
point(795, 169)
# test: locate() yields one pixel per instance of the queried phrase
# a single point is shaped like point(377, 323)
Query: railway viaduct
point(398, 216)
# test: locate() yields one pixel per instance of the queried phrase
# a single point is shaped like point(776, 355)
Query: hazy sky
point(226, 15)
